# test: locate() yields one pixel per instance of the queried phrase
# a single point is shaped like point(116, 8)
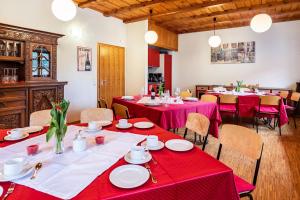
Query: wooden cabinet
point(153, 57)
point(31, 56)
point(166, 39)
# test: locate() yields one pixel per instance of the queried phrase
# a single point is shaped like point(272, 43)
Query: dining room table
point(192, 175)
point(172, 116)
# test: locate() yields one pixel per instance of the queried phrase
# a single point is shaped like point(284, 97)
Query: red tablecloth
point(247, 103)
point(189, 175)
point(174, 116)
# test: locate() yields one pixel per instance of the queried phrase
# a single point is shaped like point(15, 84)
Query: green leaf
point(50, 133)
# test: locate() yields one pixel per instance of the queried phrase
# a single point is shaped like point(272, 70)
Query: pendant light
point(64, 10)
point(261, 22)
point(214, 40)
point(151, 36)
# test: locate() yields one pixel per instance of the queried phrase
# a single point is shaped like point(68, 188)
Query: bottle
point(87, 63)
point(152, 93)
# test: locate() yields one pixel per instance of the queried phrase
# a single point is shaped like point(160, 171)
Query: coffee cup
point(123, 122)
point(79, 144)
point(152, 141)
point(137, 153)
point(99, 139)
point(92, 125)
point(15, 133)
point(13, 166)
point(32, 149)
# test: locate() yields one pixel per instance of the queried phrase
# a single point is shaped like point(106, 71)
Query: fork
point(9, 191)
point(154, 180)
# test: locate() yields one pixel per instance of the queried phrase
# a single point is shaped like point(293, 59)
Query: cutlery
point(153, 160)
point(9, 191)
point(154, 180)
point(37, 167)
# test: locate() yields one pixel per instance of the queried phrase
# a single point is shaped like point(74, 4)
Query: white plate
point(93, 130)
point(159, 147)
point(190, 99)
point(152, 104)
point(1, 190)
point(32, 129)
point(9, 138)
point(129, 176)
point(128, 97)
point(147, 158)
point(179, 145)
point(103, 123)
point(129, 125)
point(26, 171)
point(143, 125)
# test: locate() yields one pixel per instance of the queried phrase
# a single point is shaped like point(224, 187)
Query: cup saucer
point(26, 171)
point(129, 125)
point(146, 159)
point(93, 130)
point(151, 148)
point(9, 138)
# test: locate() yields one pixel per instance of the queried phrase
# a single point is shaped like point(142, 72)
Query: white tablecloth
point(67, 174)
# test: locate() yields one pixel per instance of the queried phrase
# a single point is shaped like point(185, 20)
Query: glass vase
point(59, 146)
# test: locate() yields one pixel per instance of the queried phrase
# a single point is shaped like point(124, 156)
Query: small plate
point(159, 147)
point(1, 190)
point(152, 104)
point(129, 176)
point(26, 171)
point(104, 123)
point(129, 125)
point(190, 99)
point(179, 145)
point(143, 125)
point(32, 129)
point(128, 97)
point(93, 130)
point(9, 138)
point(147, 158)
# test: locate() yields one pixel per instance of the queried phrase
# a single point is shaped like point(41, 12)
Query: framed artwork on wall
point(84, 59)
point(233, 53)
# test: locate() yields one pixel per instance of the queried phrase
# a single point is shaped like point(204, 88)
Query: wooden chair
point(40, 118)
point(284, 94)
point(209, 98)
point(184, 94)
point(248, 143)
point(269, 106)
point(199, 124)
point(96, 114)
point(120, 111)
point(229, 104)
point(102, 103)
point(292, 109)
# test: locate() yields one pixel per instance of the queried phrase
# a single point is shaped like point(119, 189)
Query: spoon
point(36, 168)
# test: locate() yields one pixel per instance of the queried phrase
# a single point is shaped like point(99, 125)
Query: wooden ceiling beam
point(193, 7)
point(115, 12)
point(269, 5)
point(81, 4)
point(238, 23)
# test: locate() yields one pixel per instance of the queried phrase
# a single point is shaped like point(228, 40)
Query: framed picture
point(84, 59)
point(233, 53)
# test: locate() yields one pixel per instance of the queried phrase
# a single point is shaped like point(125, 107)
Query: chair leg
point(195, 138)
point(204, 143)
point(295, 121)
point(279, 126)
point(250, 197)
point(185, 133)
point(256, 120)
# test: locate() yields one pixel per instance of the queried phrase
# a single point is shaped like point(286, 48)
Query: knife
point(154, 180)
point(9, 191)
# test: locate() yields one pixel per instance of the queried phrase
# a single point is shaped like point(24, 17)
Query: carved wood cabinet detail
point(34, 54)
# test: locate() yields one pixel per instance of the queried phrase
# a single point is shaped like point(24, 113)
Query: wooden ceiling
point(184, 16)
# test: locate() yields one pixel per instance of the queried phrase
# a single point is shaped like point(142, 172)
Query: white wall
point(136, 73)
point(277, 58)
point(81, 89)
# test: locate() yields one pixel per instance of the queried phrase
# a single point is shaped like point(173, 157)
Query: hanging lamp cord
point(215, 19)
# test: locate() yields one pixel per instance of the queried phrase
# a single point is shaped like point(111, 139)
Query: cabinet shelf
point(12, 59)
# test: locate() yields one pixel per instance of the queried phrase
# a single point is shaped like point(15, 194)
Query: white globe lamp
point(261, 23)
point(214, 41)
point(151, 37)
point(64, 10)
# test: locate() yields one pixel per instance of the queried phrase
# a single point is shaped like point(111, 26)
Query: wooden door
point(111, 72)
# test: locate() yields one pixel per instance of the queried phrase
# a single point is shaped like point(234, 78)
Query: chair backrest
point(228, 98)
point(96, 114)
point(270, 100)
point(209, 98)
point(120, 111)
point(295, 96)
point(184, 94)
point(40, 118)
point(242, 139)
point(284, 94)
point(198, 123)
point(102, 103)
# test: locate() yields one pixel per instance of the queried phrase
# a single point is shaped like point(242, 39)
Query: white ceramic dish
point(32, 129)
point(129, 176)
point(9, 138)
point(179, 145)
point(103, 123)
point(128, 97)
point(147, 158)
point(152, 104)
point(26, 171)
point(143, 125)
point(93, 130)
point(129, 125)
point(158, 147)
point(1, 190)
point(190, 99)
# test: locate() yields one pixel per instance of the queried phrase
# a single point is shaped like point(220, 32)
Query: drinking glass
point(177, 92)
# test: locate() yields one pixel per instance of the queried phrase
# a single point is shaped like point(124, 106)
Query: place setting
point(123, 124)
point(16, 134)
point(143, 125)
point(94, 126)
